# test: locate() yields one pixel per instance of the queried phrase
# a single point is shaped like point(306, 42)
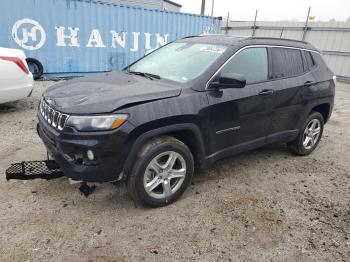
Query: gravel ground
point(263, 205)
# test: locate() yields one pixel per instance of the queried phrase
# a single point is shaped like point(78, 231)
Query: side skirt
point(234, 150)
point(284, 136)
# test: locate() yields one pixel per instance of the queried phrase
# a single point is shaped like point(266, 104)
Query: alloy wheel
point(311, 133)
point(164, 175)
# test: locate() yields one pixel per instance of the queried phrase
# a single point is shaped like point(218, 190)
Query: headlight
point(96, 123)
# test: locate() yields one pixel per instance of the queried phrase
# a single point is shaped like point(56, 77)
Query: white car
point(16, 82)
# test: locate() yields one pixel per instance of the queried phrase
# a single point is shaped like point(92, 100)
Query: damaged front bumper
point(69, 149)
point(47, 169)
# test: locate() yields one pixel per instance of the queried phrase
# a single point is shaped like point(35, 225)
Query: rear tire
point(162, 172)
point(35, 67)
point(309, 136)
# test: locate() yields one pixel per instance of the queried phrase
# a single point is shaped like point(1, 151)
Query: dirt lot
point(264, 205)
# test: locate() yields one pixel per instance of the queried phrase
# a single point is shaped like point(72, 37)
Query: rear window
point(310, 62)
point(286, 62)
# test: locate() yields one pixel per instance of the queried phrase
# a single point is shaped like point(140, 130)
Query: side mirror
point(229, 80)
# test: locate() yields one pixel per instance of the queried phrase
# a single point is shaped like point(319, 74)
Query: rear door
point(239, 117)
point(288, 78)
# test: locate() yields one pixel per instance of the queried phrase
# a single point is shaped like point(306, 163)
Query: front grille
point(54, 118)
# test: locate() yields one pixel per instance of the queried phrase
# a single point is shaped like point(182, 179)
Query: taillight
point(18, 61)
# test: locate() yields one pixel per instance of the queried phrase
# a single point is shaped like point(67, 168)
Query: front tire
point(162, 172)
point(309, 136)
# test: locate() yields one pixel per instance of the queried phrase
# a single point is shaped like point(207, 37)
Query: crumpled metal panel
point(77, 36)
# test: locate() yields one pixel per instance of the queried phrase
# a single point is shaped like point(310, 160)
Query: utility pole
point(212, 7)
point(227, 22)
point(306, 23)
point(254, 25)
point(203, 7)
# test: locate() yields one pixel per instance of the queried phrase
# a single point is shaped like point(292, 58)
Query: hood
point(105, 93)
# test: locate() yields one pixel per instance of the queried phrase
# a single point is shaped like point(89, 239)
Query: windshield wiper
point(148, 75)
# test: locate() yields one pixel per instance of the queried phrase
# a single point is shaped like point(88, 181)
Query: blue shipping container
point(78, 36)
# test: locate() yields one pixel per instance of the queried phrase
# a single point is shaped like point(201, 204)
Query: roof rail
point(276, 38)
point(200, 35)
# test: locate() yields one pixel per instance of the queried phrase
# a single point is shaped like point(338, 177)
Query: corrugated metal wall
point(75, 36)
point(332, 38)
point(157, 4)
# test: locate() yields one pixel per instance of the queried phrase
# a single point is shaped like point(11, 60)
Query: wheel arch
point(324, 109)
point(188, 133)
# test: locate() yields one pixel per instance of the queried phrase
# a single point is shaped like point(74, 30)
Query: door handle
point(308, 83)
point(266, 92)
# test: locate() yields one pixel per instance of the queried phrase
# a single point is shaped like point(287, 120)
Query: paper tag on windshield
point(212, 49)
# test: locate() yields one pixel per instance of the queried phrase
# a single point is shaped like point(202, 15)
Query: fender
point(141, 140)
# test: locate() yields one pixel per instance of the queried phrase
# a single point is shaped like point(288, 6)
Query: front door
point(240, 117)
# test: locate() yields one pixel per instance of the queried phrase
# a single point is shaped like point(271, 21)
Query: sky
point(323, 10)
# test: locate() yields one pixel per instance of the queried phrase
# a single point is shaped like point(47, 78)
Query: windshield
point(180, 62)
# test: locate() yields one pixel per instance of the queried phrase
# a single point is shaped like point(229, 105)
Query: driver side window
point(251, 63)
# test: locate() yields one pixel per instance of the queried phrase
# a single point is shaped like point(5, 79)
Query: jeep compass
point(186, 105)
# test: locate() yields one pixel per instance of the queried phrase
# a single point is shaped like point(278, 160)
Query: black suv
point(187, 104)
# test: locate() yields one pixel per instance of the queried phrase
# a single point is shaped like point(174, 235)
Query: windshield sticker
point(212, 49)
